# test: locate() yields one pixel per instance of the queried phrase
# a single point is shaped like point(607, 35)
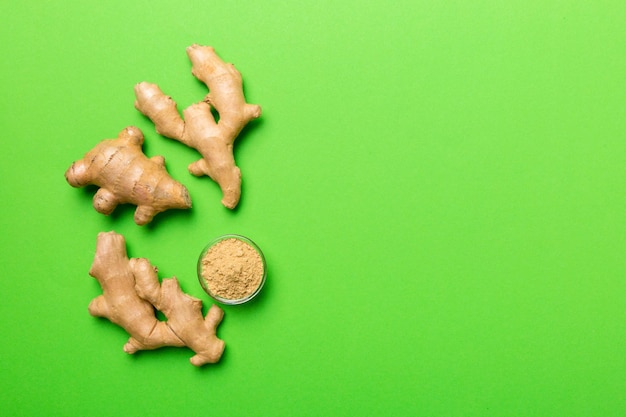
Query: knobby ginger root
point(125, 175)
point(199, 130)
point(131, 292)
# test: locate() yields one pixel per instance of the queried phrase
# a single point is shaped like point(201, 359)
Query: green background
point(438, 188)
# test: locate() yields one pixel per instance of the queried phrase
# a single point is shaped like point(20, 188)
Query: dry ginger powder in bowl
point(232, 270)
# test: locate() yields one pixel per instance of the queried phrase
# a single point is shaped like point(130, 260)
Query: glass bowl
point(227, 273)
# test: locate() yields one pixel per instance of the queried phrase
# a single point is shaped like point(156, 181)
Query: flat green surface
point(438, 187)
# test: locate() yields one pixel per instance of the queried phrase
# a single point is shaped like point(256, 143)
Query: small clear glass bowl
point(203, 283)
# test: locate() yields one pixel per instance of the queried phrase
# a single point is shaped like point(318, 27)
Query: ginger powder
point(232, 270)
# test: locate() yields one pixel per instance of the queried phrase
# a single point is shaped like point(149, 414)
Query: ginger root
point(199, 129)
point(131, 292)
point(125, 175)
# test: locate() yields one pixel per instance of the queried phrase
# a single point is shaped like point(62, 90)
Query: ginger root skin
point(125, 175)
point(130, 294)
point(198, 128)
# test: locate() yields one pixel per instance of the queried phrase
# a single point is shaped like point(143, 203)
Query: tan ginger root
point(199, 130)
point(131, 292)
point(125, 175)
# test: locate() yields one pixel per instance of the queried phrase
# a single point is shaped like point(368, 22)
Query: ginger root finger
point(198, 129)
point(125, 175)
point(153, 103)
point(183, 313)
